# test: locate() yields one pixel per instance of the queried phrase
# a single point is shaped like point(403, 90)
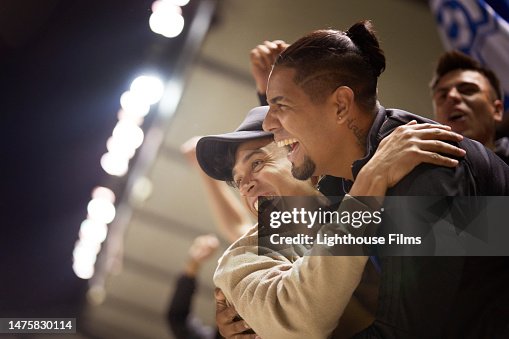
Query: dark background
point(63, 67)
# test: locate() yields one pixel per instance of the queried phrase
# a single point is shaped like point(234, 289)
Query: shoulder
point(489, 169)
point(502, 149)
point(431, 180)
point(393, 118)
point(247, 242)
point(481, 172)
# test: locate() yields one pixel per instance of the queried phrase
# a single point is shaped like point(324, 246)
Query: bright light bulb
point(93, 231)
point(128, 133)
point(180, 2)
point(166, 6)
point(167, 23)
point(103, 193)
point(101, 210)
point(117, 147)
point(83, 270)
point(148, 88)
point(86, 250)
point(114, 164)
point(133, 104)
point(124, 115)
point(84, 257)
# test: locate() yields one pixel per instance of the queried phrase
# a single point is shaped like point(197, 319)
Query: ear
point(343, 98)
point(499, 110)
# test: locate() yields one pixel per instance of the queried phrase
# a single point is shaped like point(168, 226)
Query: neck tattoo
point(359, 133)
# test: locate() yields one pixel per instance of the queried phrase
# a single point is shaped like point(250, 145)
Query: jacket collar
point(373, 139)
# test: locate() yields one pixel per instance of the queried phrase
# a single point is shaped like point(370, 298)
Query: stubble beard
point(304, 171)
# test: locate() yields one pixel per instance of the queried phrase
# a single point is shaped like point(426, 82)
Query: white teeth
point(256, 205)
point(286, 142)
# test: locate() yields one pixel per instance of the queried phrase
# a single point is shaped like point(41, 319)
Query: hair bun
point(363, 36)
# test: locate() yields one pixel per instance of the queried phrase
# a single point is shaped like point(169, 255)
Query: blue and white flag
point(479, 28)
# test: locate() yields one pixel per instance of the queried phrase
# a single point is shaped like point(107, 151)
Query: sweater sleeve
point(284, 298)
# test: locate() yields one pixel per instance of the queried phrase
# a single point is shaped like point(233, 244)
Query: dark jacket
point(440, 297)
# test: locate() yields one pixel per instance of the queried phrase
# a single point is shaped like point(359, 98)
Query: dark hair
point(223, 159)
point(454, 60)
point(327, 59)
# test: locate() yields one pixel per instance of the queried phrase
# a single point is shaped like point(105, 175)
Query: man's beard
point(304, 171)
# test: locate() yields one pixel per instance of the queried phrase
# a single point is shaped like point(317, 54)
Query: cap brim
point(212, 149)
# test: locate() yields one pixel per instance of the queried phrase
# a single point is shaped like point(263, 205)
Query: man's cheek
point(274, 177)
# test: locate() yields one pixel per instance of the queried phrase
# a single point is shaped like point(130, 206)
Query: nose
point(271, 121)
point(453, 94)
point(246, 186)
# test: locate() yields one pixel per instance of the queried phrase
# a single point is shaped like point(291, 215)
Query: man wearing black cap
point(250, 159)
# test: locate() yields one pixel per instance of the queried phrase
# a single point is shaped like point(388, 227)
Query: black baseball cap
point(211, 149)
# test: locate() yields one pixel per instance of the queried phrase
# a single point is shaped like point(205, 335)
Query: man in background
point(468, 97)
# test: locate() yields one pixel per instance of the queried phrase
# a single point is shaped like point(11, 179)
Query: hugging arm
point(282, 298)
point(405, 148)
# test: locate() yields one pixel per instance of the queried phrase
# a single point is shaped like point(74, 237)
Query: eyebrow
point(248, 156)
point(276, 99)
point(444, 88)
point(439, 89)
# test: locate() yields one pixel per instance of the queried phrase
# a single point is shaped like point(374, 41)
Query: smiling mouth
point(287, 143)
point(456, 115)
point(262, 200)
point(290, 144)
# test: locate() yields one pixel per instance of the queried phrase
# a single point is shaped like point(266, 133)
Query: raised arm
point(262, 58)
point(179, 314)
